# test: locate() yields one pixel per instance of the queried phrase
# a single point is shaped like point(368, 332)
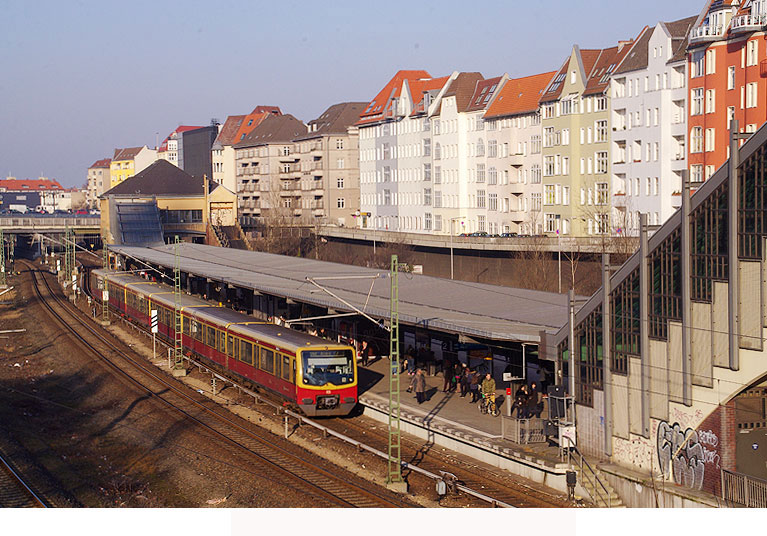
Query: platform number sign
point(153, 320)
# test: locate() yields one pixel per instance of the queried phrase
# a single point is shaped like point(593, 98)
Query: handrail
point(593, 478)
point(744, 490)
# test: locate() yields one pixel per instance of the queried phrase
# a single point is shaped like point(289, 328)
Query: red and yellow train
point(317, 376)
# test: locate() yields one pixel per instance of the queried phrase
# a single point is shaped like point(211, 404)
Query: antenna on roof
point(214, 122)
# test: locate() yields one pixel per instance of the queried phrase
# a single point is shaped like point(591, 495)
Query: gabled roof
point(483, 92)
point(335, 120)
point(274, 129)
point(175, 133)
point(680, 38)
point(228, 133)
point(161, 179)
point(29, 184)
point(520, 95)
point(609, 60)
point(375, 109)
point(462, 88)
point(103, 163)
point(418, 88)
point(253, 119)
point(637, 57)
point(129, 153)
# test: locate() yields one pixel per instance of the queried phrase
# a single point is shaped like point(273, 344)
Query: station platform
point(454, 422)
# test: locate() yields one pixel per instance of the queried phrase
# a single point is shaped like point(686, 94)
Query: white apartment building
point(649, 118)
point(514, 137)
point(396, 151)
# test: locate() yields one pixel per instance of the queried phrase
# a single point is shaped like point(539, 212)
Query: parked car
point(509, 235)
point(481, 234)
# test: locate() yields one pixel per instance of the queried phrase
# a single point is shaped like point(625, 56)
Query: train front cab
point(326, 381)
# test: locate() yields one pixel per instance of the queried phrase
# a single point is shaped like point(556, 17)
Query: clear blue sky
point(79, 78)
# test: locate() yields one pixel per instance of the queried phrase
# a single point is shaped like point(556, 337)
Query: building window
point(480, 199)
point(387, 197)
point(427, 222)
point(552, 223)
point(341, 202)
point(340, 183)
point(710, 139)
point(710, 101)
point(480, 124)
point(535, 174)
point(697, 63)
point(601, 159)
point(751, 92)
point(696, 135)
point(535, 144)
point(492, 202)
point(697, 101)
point(427, 147)
point(437, 199)
point(492, 148)
point(481, 223)
point(492, 176)
point(480, 148)
point(427, 172)
point(427, 197)
point(437, 151)
point(535, 204)
point(550, 194)
point(437, 174)
point(600, 129)
point(711, 61)
point(480, 172)
point(602, 193)
point(696, 173)
point(731, 77)
point(752, 53)
point(548, 166)
point(600, 104)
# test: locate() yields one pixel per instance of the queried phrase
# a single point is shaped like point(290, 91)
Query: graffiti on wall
point(684, 453)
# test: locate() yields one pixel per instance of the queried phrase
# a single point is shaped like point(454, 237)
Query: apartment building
point(726, 79)
point(234, 130)
point(329, 163)
point(397, 157)
point(172, 146)
point(575, 110)
point(128, 162)
point(649, 126)
point(98, 181)
point(514, 139)
point(268, 171)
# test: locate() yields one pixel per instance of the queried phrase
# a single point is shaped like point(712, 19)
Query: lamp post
point(451, 242)
point(559, 259)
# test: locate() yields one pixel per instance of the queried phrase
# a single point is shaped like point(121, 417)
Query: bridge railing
point(744, 490)
point(48, 221)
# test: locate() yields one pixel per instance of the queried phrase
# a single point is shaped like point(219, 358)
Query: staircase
point(593, 481)
point(223, 240)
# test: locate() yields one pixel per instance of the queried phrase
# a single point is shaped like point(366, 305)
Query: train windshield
point(321, 367)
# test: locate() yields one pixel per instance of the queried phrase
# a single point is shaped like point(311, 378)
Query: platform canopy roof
point(465, 308)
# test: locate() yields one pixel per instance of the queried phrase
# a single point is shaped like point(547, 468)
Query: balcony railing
point(748, 23)
point(318, 205)
point(705, 33)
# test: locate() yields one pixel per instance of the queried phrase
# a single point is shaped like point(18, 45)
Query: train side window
point(277, 364)
point(197, 330)
point(267, 360)
point(210, 337)
point(286, 368)
point(222, 342)
point(246, 352)
point(230, 346)
point(185, 321)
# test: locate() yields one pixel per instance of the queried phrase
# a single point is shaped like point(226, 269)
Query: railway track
point(14, 492)
point(469, 475)
point(258, 453)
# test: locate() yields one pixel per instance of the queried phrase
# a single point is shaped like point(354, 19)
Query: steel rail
point(18, 482)
point(288, 458)
point(326, 430)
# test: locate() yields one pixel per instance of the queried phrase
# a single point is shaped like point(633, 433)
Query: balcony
point(315, 148)
point(290, 187)
point(318, 204)
point(749, 23)
point(706, 33)
point(297, 211)
point(516, 188)
point(288, 157)
point(619, 200)
point(516, 160)
point(517, 216)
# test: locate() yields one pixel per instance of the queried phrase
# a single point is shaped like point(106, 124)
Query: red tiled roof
point(375, 109)
point(179, 130)
point(609, 60)
point(253, 119)
point(29, 184)
point(129, 153)
point(103, 163)
point(462, 88)
point(483, 92)
point(520, 95)
point(228, 132)
point(419, 87)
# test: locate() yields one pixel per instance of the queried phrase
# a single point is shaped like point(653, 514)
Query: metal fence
point(744, 490)
point(523, 431)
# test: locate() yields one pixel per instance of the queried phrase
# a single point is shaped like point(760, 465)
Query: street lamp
point(559, 260)
point(451, 241)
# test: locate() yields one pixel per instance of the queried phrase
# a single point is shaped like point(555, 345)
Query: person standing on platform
point(419, 386)
point(474, 385)
point(447, 372)
point(365, 353)
point(520, 401)
point(464, 380)
point(534, 403)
